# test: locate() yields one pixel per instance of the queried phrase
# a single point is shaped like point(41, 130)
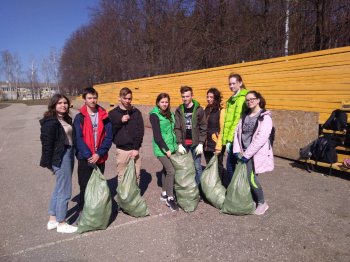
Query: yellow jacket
point(218, 139)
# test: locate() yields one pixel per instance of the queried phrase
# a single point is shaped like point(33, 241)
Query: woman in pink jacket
point(252, 145)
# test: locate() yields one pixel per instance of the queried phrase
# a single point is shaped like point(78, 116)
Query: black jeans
point(84, 173)
point(255, 187)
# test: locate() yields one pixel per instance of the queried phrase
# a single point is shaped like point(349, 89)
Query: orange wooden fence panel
point(315, 81)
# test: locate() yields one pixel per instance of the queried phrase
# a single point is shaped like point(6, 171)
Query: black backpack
point(337, 121)
point(305, 152)
point(347, 137)
point(323, 150)
point(272, 136)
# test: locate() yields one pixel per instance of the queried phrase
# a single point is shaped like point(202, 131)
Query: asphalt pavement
point(308, 219)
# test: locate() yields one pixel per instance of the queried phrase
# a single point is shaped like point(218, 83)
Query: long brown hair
point(258, 95)
point(217, 97)
point(167, 112)
point(51, 108)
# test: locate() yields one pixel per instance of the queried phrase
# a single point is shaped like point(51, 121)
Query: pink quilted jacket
point(260, 148)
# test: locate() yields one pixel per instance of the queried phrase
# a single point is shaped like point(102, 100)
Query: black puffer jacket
point(52, 142)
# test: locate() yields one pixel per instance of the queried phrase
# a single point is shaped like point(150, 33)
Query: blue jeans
point(63, 188)
point(197, 163)
point(230, 168)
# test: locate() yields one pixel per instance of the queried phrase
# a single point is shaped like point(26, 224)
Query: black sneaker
point(172, 204)
point(163, 198)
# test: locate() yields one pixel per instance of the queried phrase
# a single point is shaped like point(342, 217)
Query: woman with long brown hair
point(58, 156)
point(164, 144)
point(215, 122)
point(252, 145)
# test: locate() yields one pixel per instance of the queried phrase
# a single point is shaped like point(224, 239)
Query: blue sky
point(30, 28)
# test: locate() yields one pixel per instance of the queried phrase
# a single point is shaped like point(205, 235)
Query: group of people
point(242, 129)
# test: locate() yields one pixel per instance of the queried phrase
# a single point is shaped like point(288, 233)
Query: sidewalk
point(308, 219)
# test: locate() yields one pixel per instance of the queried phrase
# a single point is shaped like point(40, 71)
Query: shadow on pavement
point(324, 171)
point(145, 180)
point(73, 213)
point(113, 184)
point(159, 175)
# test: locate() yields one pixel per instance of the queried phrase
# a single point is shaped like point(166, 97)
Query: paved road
point(308, 219)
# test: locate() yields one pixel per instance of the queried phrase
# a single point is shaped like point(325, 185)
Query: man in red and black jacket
point(92, 137)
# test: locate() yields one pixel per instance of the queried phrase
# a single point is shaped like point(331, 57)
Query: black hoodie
point(128, 135)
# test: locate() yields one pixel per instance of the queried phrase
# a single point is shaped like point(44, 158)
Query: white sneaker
point(261, 209)
point(65, 228)
point(51, 225)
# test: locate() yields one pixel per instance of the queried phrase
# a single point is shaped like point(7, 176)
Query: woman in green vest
point(164, 144)
point(235, 106)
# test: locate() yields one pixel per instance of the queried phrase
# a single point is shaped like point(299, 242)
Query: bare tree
point(45, 70)
point(17, 74)
point(7, 66)
point(32, 75)
point(12, 69)
point(50, 69)
point(54, 65)
point(139, 38)
point(286, 43)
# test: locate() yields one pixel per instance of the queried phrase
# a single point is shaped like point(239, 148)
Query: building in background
point(24, 92)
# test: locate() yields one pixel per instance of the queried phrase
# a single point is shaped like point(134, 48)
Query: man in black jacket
point(191, 128)
point(128, 130)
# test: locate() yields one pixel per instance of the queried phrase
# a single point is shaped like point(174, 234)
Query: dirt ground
point(308, 219)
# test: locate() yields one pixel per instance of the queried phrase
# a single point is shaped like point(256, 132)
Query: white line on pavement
point(83, 235)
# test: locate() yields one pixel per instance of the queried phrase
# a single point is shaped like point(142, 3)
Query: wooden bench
point(343, 152)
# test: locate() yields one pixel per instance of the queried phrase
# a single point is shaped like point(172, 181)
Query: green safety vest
point(167, 131)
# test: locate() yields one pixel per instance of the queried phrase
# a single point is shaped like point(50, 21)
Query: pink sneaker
point(261, 209)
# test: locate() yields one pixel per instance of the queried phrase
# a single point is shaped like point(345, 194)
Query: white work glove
point(228, 147)
point(199, 149)
point(181, 149)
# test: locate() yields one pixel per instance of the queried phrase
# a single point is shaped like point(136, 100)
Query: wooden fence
point(311, 82)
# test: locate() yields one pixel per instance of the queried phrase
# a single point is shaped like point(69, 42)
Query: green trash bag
point(98, 205)
point(187, 193)
point(128, 194)
point(211, 184)
point(239, 200)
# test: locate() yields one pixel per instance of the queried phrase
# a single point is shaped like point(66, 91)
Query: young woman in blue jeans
point(58, 156)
